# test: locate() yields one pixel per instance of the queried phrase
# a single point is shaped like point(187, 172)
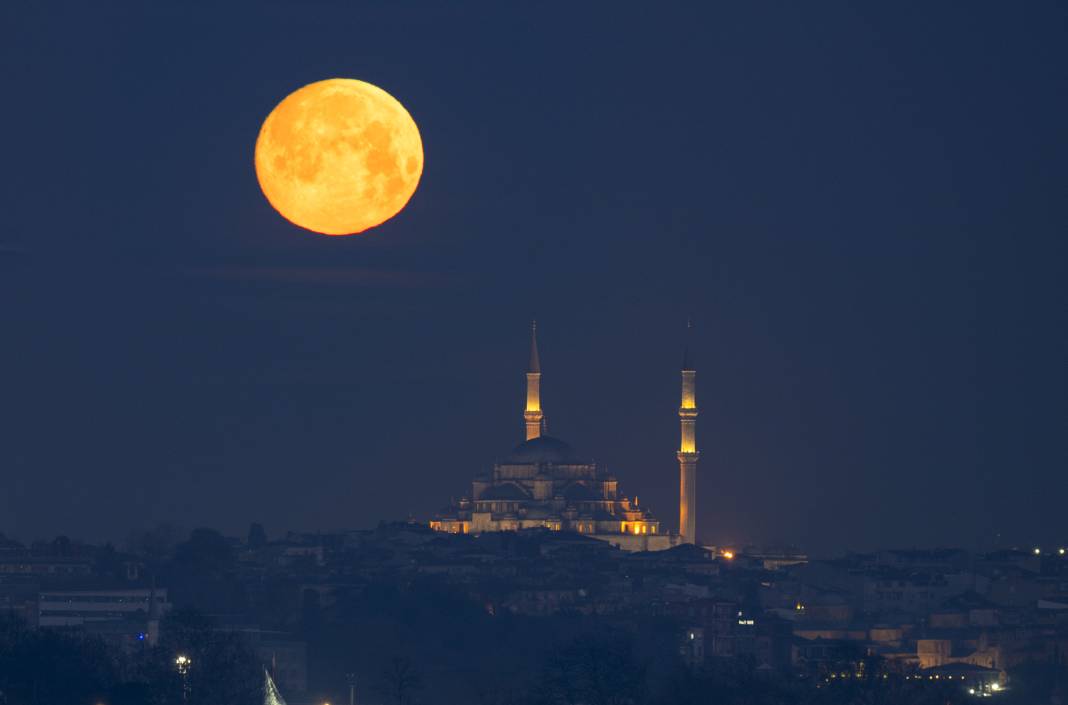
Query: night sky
point(864, 209)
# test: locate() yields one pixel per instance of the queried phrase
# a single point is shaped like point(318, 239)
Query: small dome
point(544, 449)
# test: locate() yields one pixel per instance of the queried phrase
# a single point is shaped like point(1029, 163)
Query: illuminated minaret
point(688, 447)
point(532, 415)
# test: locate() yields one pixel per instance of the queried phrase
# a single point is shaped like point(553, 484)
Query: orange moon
point(339, 156)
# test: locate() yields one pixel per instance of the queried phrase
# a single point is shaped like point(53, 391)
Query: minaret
point(688, 447)
point(532, 415)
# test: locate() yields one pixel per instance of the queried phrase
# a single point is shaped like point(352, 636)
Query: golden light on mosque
point(339, 156)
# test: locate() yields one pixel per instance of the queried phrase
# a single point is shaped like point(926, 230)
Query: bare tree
point(399, 681)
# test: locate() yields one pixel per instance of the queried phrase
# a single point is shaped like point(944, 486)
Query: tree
point(156, 543)
point(257, 537)
point(223, 668)
point(399, 681)
point(62, 546)
point(206, 550)
point(40, 667)
point(592, 671)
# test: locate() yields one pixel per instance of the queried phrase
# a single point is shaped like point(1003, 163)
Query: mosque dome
point(544, 449)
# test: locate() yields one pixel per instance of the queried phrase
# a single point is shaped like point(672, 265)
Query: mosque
point(544, 482)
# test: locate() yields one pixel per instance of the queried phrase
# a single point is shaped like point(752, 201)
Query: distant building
point(776, 558)
point(545, 482)
point(76, 608)
point(977, 679)
point(692, 648)
point(285, 657)
point(46, 566)
point(60, 559)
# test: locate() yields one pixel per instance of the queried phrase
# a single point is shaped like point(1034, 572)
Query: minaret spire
point(533, 415)
point(688, 454)
point(535, 362)
point(686, 364)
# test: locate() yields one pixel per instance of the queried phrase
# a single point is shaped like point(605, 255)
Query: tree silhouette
point(399, 681)
point(257, 537)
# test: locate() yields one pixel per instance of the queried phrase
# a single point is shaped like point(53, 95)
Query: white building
point(75, 608)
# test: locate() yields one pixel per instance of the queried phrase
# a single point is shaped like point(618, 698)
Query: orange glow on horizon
point(339, 156)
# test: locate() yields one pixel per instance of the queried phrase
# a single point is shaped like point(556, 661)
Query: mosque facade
point(545, 483)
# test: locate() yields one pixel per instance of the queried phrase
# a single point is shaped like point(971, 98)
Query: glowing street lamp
point(182, 663)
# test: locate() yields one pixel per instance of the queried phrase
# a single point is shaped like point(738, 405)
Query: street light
point(351, 678)
point(182, 663)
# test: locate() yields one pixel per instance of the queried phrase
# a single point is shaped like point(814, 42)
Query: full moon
point(339, 156)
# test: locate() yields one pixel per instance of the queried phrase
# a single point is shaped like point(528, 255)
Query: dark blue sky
point(865, 209)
